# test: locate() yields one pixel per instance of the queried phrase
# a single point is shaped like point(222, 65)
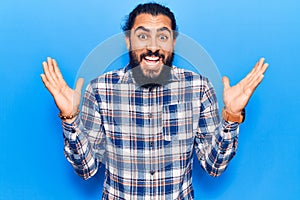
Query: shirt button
point(151, 144)
point(150, 115)
point(152, 172)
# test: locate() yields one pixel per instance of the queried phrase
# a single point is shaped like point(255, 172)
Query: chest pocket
point(177, 121)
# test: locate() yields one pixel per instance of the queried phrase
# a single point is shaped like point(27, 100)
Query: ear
point(127, 40)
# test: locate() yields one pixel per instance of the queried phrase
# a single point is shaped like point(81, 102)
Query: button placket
point(152, 172)
point(151, 144)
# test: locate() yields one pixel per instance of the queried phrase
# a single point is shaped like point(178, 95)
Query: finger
point(249, 77)
point(261, 61)
point(258, 69)
point(226, 82)
point(48, 73)
point(44, 79)
point(49, 62)
point(57, 70)
point(257, 66)
point(255, 82)
point(264, 68)
point(260, 65)
point(46, 83)
point(79, 85)
point(51, 69)
point(257, 73)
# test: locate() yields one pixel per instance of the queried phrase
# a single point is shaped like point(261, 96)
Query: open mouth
point(151, 60)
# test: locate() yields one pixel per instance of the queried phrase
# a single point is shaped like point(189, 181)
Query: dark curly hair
point(152, 9)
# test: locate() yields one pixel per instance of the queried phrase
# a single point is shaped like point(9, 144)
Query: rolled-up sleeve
point(84, 138)
point(216, 139)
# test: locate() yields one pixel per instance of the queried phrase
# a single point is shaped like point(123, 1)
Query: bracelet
point(63, 117)
point(233, 118)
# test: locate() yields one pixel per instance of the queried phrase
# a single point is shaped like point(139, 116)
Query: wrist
point(68, 117)
point(233, 112)
point(238, 117)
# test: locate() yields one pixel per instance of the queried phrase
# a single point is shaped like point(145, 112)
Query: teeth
point(152, 58)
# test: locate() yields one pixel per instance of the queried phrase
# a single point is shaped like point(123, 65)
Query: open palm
point(66, 99)
point(236, 97)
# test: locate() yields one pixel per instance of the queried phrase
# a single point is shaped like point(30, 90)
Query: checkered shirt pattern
point(146, 137)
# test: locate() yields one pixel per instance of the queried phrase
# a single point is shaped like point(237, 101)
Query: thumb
point(79, 85)
point(226, 82)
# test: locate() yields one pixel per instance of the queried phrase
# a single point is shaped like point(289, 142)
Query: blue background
point(234, 33)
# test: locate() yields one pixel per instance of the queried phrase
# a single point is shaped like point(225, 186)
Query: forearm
point(216, 139)
point(223, 148)
point(78, 150)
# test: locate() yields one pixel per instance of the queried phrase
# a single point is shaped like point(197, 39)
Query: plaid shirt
point(146, 137)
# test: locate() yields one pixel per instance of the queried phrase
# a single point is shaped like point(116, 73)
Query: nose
point(153, 46)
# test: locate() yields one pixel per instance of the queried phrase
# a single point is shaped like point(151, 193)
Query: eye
point(163, 37)
point(143, 36)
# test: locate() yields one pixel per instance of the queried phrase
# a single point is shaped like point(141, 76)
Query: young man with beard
point(145, 121)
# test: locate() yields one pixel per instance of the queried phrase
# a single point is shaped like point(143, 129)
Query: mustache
point(150, 53)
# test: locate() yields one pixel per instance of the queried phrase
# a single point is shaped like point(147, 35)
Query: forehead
point(150, 21)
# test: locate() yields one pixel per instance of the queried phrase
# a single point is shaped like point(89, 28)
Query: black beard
point(146, 81)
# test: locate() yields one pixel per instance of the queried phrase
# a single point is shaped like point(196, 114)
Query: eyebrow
point(164, 29)
point(148, 30)
point(141, 28)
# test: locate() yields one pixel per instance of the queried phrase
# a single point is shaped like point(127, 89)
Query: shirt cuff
point(230, 129)
point(69, 129)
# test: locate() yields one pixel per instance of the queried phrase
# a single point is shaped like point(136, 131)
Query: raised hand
point(66, 99)
point(236, 97)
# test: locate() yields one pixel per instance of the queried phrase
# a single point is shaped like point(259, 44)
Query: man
point(145, 121)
